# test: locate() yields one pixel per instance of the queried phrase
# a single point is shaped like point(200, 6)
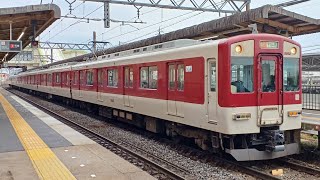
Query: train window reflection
point(291, 74)
point(241, 74)
point(212, 76)
point(180, 73)
point(268, 76)
point(89, 78)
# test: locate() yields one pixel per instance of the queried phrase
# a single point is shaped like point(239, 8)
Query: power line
point(61, 20)
point(166, 26)
point(74, 23)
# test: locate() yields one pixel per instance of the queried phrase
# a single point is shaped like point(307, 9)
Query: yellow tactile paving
point(46, 163)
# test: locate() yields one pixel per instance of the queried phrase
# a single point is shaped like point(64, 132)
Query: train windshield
point(291, 74)
point(241, 74)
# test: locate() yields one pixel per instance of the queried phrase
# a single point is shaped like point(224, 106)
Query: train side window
point(149, 77)
point(113, 77)
point(57, 77)
point(153, 77)
point(144, 77)
point(89, 78)
point(128, 71)
point(180, 79)
point(213, 81)
point(172, 76)
point(100, 77)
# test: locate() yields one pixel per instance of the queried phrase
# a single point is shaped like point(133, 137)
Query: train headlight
point(241, 116)
point(293, 51)
point(238, 49)
point(294, 113)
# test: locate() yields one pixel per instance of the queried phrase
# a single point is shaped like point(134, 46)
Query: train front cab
point(261, 102)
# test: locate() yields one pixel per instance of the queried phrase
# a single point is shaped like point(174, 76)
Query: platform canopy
point(29, 20)
point(268, 19)
point(311, 62)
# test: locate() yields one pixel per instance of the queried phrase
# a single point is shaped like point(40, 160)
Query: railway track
point(157, 167)
point(299, 166)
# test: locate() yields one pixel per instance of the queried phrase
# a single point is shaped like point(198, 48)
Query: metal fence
point(311, 97)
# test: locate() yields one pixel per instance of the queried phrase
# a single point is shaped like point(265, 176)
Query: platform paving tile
point(8, 138)
point(16, 166)
point(93, 159)
point(72, 136)
point(47, 134)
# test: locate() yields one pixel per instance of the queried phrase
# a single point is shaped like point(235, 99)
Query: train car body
point(240, 95)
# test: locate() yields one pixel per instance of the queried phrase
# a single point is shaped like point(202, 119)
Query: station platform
point(34, 145)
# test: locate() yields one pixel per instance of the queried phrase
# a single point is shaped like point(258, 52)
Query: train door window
point(268, 76)
point(172, 76)
point(49, 78)
point(100, 77)
point(113, 77)
point(213, 80)
point(82, 78)
point(75, 77)
point(180, 78)
point(128, 71)
point(57, 78)
point(68, 79)
point(241, 73)
point(89, 78)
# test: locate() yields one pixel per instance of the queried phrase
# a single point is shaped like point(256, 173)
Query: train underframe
point(270, 143)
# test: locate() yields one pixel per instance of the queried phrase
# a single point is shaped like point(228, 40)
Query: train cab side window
point(213, 80)
point(241, 75)
point(180, 79)
point(113, 78)
point(128, 71)
point(100, 77)
point(149, 77)
point(89, 78)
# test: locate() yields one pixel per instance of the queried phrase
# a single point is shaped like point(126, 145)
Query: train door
point(128, 85)
point(171, 102)
point(270, 85)
point(81, 82)
point(176, 72)
point(212, 94)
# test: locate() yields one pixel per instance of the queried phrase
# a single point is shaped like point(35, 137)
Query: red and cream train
point(240, 95)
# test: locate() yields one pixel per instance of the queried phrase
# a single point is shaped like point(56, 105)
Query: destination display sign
point(269, 45)
point(10, 46)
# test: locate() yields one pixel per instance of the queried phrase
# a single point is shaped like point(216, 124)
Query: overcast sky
point(79, 31)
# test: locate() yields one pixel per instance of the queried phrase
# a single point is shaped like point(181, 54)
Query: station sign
point(10, 46)
point(24, 56)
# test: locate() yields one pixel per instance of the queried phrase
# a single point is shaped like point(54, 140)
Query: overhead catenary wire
point(74, 23)
point(63, 18)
